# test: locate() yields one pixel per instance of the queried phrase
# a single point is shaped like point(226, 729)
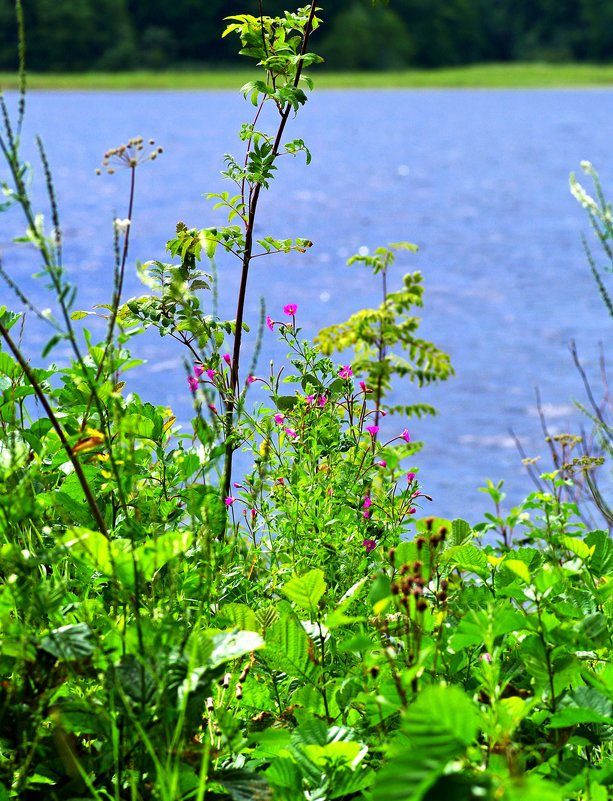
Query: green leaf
point(306, 591)
point(230, 644)
point(576, 546)
point(519, 568)
point(241, 616)
point(69, 642)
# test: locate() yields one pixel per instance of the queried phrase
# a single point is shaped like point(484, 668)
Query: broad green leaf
point(519, 568)
point(242, 617)
point(229, 644)
point(306, 591)
point(468, 558)
point(69, 642)
point(576, 546)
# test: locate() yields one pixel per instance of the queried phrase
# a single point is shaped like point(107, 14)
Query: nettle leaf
point(307, 590)
point(468, 558)
point(241, 616)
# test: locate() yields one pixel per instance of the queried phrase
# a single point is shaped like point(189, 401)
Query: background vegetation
point(72, 35)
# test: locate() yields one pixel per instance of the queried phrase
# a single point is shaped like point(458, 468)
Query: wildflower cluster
point(130, 156)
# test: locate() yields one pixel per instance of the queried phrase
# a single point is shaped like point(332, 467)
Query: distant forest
point(70, 35)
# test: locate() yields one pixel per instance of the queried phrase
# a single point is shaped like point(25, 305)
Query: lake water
point(478, 179)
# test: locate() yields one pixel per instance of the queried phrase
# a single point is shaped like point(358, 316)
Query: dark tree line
point(65, 35)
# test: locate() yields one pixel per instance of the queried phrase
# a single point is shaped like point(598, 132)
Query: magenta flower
point(366, 513)
point(405, 436)
point(198, 369)
point(363, 386)
point(211, 374)
point(346, 371)
point(229, 500)
point(250, 379)
point(237, 486)
point(227, 359)
point(321, 401)
point(193, 383)
point(382, 463)
point(213, 408)
point(367, 502)
point(369, 545)
point(410, 477)
point(290, 432)
point(279, 418)
point(269, 323)
point(372, 430)
point(412, 510)
point(253, 513)
point(309, 399)
point(485, 657)
point(290, 309)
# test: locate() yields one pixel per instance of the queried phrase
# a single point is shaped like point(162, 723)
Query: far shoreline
point(478, 76)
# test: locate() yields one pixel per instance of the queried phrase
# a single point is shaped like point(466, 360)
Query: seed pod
point(239, 692)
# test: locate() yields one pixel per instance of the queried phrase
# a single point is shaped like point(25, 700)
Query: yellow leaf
point(168, 423)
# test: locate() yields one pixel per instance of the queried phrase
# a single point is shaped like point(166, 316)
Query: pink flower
point(309, 399)
point(269, 323)
point(369, 545)
point(346, 371)
point(253, 514)
point(410, 477)
point(227, 359)
point(290, 432)
point(250, 379)
point(198, 369)
point(279, 418)
point(372, 430)
point(213, 408)
point(193, 383)
point(229, 500)
point(366, 514)
point(367, 502)
point(382, 463)
point(290, 309)
point(211, 374)
point(237, 486)
point(321, 401)
point(485, 657)
point(412, 510)
point(363, 387)
point(405, 436)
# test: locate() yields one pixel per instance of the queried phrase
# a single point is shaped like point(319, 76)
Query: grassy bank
point(476, 76)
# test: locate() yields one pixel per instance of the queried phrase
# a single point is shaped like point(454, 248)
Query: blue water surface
point(478, 179)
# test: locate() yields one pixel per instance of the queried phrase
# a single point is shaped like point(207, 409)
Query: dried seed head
point(420, 542)
point(394, 589)
point(421, 605)
point(442, 596)
point(442, 532)
point(417, 566)
point(391, 554)
point(374, 671)
point(429, 521)
point(405, 569)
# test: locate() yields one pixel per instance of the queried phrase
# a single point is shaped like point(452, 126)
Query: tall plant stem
point(246, 261)
point(58, 428)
